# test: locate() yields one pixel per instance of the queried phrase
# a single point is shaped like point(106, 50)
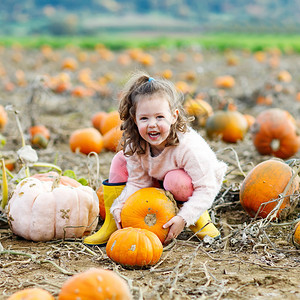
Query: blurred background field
point(253, 25)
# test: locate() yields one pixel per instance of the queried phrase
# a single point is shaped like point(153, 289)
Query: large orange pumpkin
point(31, 294)
point(263, 185)
point(134, 247)
point(274, 133)
point(231, 126)
point(95, 283)
point(296, 235)
point(149, 208)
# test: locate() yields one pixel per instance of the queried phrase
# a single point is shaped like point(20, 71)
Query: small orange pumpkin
point(134, 247)
point(225, 81)
point(274, 133)
point(39, 135)
point(149, 208)
point(296, 235)
point(97, 118)
point(264, 183)
point(31, 294)
point(95, 283)
point(3, 117)
point(86, 140)
point(231, 126)
point(198, 108)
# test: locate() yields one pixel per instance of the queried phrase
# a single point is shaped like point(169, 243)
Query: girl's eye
point(143, 118)
point(160, 117)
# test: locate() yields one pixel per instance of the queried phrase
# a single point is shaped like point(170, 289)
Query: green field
point(219, 42)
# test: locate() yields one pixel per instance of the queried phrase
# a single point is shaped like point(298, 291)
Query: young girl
point(159, 147)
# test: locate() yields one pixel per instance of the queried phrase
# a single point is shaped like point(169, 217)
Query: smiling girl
point(160, 148)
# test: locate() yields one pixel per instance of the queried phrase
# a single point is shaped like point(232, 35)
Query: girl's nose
point(152, 122)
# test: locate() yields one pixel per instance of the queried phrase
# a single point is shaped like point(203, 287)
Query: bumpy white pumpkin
point(43, 209)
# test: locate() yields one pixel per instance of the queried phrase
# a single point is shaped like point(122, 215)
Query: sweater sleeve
point(207, 173)
point(138, 178)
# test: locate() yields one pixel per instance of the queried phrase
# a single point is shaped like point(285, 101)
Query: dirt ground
point(246, 263)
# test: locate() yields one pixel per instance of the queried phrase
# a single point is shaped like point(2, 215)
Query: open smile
point(153, 135)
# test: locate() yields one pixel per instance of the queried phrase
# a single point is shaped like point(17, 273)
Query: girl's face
point(154, 119)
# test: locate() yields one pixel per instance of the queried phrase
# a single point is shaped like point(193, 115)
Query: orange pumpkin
point(97, 119)
point(225, 81)
point(296, 235)
point(111, 139)
point(284, 76)
point(134, 247)
point(263, 185)
point(149, 208)
point(231, 126)
point(274, 133)
point(31, 294)
point(3, 117)
point(198, 108)
point(110, 121)
point(95, 283)
point(86, 140)
point(41, 129)
point(39, 136)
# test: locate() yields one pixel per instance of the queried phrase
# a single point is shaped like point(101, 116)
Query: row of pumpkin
point(274, 131)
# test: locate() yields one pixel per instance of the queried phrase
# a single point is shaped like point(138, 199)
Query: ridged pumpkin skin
point(149, 208)
point(231, 126)
point(95, 283)
point(134, 247)
point(265, 182)
point(40, 209)
point(31, 294)
point(296, 235)
point(274, 133)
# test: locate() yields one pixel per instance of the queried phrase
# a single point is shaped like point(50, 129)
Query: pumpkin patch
point(48, 217)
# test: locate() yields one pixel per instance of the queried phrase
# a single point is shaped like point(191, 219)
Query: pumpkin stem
point(275, 144)
point(4, 186)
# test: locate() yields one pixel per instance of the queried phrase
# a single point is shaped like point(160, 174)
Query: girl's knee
point(118, 169)
point(179, 183)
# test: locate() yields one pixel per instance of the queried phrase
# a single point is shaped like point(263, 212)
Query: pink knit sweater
point(195, 157)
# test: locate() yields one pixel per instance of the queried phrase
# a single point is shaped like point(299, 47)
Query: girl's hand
point(117, 217)
point(176, 225)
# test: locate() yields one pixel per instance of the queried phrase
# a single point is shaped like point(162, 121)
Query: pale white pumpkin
point(43, 209)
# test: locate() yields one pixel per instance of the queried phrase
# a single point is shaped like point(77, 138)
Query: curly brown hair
point(140, 85)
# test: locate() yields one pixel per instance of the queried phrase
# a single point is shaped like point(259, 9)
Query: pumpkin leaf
point(70, 173)
point(83, 181)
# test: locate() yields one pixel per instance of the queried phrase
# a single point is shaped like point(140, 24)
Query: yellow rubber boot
point(110, 192)
point(204, 226)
